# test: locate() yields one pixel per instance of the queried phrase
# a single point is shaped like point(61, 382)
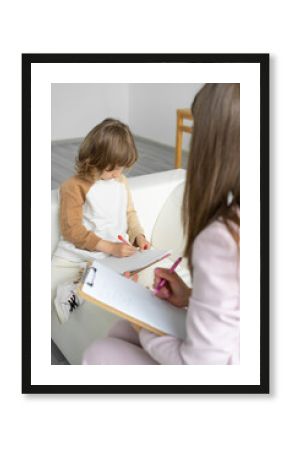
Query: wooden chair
point(180, 128)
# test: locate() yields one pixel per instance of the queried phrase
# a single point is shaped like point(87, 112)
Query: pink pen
point(162, 282)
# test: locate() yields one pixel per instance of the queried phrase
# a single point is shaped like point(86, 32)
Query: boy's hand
point(114, 248)
point(132, 276)
point(142, 243)
point(122, 250)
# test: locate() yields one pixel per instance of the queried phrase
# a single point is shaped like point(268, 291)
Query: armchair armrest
point(150, 193)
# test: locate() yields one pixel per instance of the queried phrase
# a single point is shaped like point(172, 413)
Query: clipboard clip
point(90, 275)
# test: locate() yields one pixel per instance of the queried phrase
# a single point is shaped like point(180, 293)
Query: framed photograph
point(163, 102)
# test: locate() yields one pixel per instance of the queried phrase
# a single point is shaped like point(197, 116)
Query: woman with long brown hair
point(211, 218)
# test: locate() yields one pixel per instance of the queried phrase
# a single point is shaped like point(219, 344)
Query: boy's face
point(110, 174)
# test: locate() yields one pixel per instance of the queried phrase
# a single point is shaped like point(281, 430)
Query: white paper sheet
point(133, 300)
point(135, 262)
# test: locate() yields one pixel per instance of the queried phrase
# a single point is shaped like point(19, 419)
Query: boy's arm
point(134, 227)
point(72, 198)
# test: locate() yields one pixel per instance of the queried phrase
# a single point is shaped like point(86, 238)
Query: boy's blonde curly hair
point(108, 145)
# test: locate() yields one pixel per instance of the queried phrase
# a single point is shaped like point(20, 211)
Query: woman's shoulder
point(216, 239)
point(217, 227)
point(216, 267)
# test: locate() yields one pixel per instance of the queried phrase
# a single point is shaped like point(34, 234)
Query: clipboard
point(131, 301)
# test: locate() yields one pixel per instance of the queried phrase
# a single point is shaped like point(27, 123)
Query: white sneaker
point(66, 301)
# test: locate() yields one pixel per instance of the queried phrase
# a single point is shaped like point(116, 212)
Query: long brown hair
point(108, 145)
point(213, 171)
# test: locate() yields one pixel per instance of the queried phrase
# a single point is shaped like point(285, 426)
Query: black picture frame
point(263, 61)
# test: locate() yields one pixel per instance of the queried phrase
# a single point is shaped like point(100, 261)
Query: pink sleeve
point(212, 324)
point(163, 349)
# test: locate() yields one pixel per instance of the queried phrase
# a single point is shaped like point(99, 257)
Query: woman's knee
point(122, 329)
point(98, 352)
point(115, 351)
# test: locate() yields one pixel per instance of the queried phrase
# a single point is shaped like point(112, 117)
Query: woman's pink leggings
point(121, 346)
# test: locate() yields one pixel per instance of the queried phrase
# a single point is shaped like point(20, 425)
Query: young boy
point(96, 207)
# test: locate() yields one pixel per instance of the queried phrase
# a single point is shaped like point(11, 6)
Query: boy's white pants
point(63, 271)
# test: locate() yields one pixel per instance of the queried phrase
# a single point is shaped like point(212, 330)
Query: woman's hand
point(115, 248)
point(175, 290)
point(142, 243)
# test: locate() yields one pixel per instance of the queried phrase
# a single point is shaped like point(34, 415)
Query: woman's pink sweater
point(213, 317)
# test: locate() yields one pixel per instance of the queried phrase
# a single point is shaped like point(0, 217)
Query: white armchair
point(157, 198)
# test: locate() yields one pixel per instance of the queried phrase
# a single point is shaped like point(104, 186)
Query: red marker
point(162, 282)
point(123, 240)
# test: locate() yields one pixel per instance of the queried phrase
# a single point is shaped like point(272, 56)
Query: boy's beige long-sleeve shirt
point(90, 212)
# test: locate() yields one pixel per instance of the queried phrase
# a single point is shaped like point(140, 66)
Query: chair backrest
point(168, 231)
point(55, 232)
point(182, 114)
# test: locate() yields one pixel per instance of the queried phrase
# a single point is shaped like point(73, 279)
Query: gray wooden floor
point(153, 157)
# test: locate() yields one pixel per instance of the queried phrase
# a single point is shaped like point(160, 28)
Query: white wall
point(149, 109)
point(152, 109)
point(77, 108)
